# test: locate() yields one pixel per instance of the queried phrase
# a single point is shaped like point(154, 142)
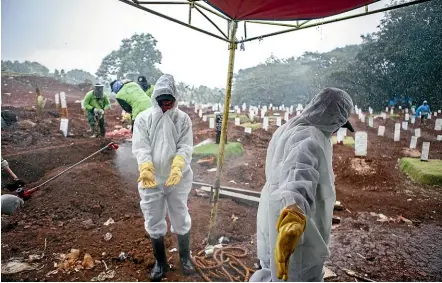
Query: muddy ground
point(105, 187)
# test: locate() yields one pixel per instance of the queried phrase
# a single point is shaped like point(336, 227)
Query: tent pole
point(220, 161)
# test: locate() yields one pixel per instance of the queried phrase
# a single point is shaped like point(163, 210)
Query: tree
point(25, 67)
point(62, 74)
point(137, 55)
point(77, 76)
point(56, 74)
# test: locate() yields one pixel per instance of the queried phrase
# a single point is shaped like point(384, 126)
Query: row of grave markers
point(253, 112)
point(361, 137)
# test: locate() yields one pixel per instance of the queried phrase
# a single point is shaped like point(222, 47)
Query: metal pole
point(171, 19)
point(220, 161)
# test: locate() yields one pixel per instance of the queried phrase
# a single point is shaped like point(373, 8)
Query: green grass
point(424, 172)
point(232, 149)
point(348, 141)
point(254, 126)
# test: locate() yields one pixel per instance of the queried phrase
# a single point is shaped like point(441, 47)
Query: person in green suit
point(131, 97)
point(145, 86)
point(96, 102)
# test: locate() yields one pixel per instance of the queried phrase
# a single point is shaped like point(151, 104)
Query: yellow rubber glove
point(290, 226)
point(176, 173)
point(147, 176)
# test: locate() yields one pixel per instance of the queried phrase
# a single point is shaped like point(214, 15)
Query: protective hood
point(328, 111)
point(164, 85)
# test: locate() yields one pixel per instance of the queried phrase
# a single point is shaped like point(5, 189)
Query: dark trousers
point(92, 120)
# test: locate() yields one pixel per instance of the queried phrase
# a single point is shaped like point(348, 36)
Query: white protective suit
point(158, 137)
point(299, 171)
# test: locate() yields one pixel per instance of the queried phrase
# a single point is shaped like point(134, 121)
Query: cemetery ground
point(390, 227)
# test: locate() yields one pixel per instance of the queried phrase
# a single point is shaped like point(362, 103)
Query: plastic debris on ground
point(108, 236)
point(16, 266)
point(212, 170)
point(109, 274)
point(328, 273)
point(234, 218)
point(223, 240)
point(88, 262)
point(174, 250)
point(108, 222)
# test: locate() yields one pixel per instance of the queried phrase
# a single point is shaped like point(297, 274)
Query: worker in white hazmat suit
point(162, 143)
point(296, 206)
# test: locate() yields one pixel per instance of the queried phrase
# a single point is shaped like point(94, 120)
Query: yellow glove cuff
point(147, 166)
point(291, 214)
point(179, 162)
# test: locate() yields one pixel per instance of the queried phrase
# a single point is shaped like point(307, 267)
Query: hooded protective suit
point(299, 171)
point(159, 137)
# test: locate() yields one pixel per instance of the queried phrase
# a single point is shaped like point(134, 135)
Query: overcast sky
point(78, 34)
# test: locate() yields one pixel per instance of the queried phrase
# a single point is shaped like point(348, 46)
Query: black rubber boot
point(184, 246)
point(160, 268)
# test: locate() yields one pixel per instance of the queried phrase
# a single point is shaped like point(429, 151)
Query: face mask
point(166, 105)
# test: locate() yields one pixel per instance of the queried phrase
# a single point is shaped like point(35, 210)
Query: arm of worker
point(126, 107)
point(140, 141)
point(185, 142)
point(291, 204)
point(299, 177)
point(87, 101)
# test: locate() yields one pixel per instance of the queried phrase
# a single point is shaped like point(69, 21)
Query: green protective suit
point(90, 103)
point(150, 91)
point(133, 99)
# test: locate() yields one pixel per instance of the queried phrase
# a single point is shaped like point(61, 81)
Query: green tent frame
point(230, 37)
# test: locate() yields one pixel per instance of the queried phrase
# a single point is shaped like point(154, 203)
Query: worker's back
point(132, 94)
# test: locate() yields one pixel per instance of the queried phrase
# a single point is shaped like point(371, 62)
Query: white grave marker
point(248, 130)
point(278, 121)
point(417, 132)
point(384, 116)
point(438, 125)
point(406, 110)
point(200, 113)
point(238, 110)
point(370, 122)
point(340, 135)
point(370, 110)
point(413, 119)
point(57, 100)
point(212, 123)
point(439, 137)
point(439, 111)
point(63, 100)
point(64, 123)
point(392, 112)
point(413, 142)
point(435, 114)
point(286, 116)
point(361, 144)
point(381, 131)
point(386, 109)
point(204, 118)
point(400, 107)
point(425, 151)
point(298, 113)
point(237, 121)
point(404, 125)
point(265, 123)
point(407, 117)
point(397, 131)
